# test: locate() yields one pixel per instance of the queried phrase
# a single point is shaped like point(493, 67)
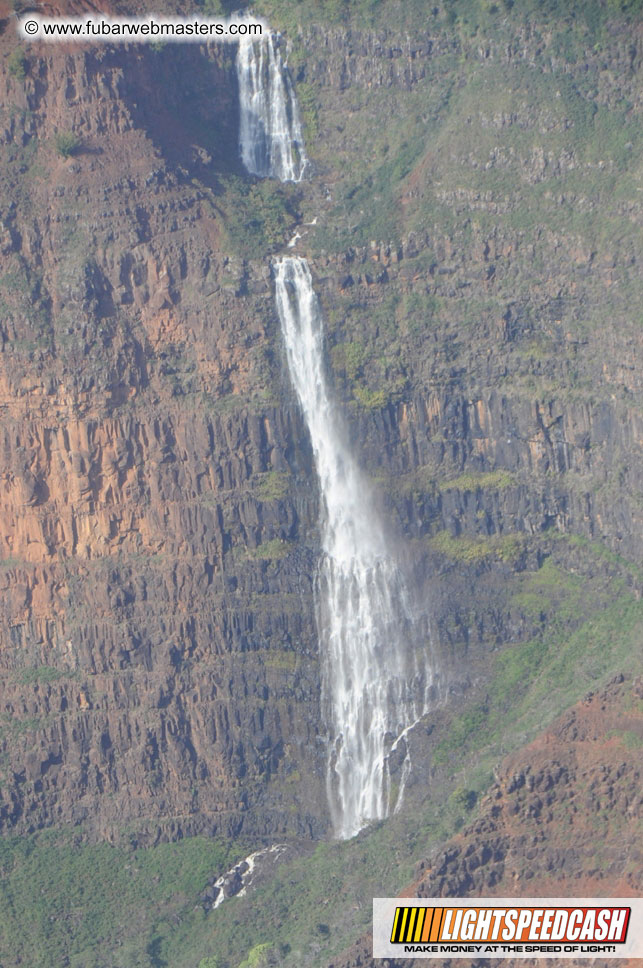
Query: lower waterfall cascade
point(375, 684)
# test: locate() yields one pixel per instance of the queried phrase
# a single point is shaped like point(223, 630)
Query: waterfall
point(374, 680)
point(270, 135)
point(374, 685)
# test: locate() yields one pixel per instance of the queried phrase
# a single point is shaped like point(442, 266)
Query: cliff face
point(507, 275)
point(158, 642)
point(159, 508)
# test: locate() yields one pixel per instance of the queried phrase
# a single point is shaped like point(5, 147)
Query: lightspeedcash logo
point(503, 928)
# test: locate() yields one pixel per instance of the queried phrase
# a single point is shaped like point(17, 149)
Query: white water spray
point(270, 135)
point(374, 685)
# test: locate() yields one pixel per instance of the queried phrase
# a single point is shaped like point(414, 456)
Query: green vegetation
point(629, 739)
point(498, 480)
point(257, 957)
point(461, 802)
point(6, 563)
point(461, 149)
point(471, 550)
point(259, 216)
point(601, 552)
point(326, 887)
point(309, 113)
point(17, 64)
point(60, 901)
point(532, 681)
point(372, 363)
point(272, 550)
point(555, 591)
point(466, 17)
point(348, 357)
point(381, 397)
point(420, 312)
point(14, 727)
point(67, 143)
point(281, 660)
point(41, 674)
point(272, 486)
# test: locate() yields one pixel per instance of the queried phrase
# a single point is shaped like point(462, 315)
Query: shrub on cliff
point(17, 64)
point(308, 108)
point(67, 143)
point(259, 218)
point(257, 958)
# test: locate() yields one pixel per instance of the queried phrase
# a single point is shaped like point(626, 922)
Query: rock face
point(158, 640)
point(158, 510)
point(549, 820)
point(562, 818)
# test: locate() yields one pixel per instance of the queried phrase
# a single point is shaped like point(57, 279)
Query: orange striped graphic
point(428, 921)
point(438, 917)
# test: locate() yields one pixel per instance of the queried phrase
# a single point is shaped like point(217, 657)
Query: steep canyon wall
point(158, 517)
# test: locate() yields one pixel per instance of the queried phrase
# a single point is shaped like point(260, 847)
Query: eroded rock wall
point(158, 517)
point(158, 644)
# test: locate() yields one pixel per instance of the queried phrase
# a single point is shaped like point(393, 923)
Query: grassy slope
point(95, 905)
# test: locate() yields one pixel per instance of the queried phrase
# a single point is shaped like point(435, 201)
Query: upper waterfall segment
point(270, 135)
